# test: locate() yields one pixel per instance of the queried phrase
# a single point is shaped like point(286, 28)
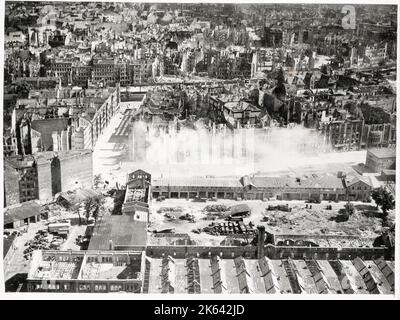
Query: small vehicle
point(169, 216)
point(313, 200)
point(237, 218)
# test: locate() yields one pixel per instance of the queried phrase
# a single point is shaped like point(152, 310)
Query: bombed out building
point(45, 174)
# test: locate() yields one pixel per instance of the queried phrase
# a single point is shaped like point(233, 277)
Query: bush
point(383, 199)
point(345, 213)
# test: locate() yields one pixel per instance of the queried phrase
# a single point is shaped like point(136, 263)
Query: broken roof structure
point(118, 231)
point(271, 276)
point(76, 197)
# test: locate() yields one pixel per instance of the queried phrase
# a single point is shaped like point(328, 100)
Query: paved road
point(17, 263)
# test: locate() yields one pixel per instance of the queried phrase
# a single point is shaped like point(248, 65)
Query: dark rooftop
point(21, 211)
point(121, 230)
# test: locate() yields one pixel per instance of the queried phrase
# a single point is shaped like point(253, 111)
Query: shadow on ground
point(368, 210)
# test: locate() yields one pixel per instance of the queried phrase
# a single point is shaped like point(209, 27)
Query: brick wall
point(181, 252)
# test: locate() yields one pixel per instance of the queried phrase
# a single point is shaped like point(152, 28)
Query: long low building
point(268, 276)
point(20, 214)
point(321, 187)
point(86, 271)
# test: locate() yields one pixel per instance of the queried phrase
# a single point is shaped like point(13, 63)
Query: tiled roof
point(21, 211)
point(197, 182)
point(358, 178)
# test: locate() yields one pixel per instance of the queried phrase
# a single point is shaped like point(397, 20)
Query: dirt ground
point(318, 220)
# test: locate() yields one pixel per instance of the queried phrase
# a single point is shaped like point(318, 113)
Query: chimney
point(111, 246)
point(260, 244)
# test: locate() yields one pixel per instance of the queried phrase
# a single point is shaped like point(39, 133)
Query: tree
point(345, 213)
point(92, 207)
point(383, 199)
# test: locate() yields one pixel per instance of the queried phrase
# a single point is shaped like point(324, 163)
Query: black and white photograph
point(199, 149)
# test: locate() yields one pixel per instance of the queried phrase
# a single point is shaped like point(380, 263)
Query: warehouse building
point(21, 214)
point(325, 187)
point(381, 159)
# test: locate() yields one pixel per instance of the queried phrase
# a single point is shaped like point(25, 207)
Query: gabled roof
point(359, 178)
point(383, 152)
point(240, 106)
point(77, 196)
point(21, 211)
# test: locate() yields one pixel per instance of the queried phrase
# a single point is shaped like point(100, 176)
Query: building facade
point(86, 271)
point(251, 188)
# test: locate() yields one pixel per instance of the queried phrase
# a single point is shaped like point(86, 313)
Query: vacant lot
point(365, 222)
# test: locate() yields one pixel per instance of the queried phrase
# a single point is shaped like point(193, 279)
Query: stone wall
point(323, 253)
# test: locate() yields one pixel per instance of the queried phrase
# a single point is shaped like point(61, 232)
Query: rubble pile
point(226, 228)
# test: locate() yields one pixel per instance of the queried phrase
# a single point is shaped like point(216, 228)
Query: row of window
point(359, 188)
point(109, 259)
point(83, 287)
point(27, 185)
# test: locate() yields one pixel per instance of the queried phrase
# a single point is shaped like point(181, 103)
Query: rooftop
point(196, 181)
point(106, 265)
point(135, 194)
point(383, 152)
point(260, 276)
point(21, 211)
point(239, 106)
point(121, 230)
point(333, 241)
point(94, 270)
point(19, 162)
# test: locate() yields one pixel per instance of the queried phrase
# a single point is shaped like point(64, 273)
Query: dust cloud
point(221, 151)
